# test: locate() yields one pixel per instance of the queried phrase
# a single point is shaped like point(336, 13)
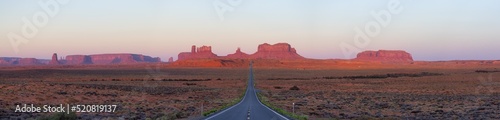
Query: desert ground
point(162, 91)
point(139, 93)
point(388, 93)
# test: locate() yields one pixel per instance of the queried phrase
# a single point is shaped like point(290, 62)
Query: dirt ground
point(364, 94)
point(176, 93)
point(179, 93)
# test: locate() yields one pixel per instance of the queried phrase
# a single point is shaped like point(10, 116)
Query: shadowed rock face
point(171, 59)
point(109, 59)
point(19, 61)
point(28, 61)
point(78, 59)
point(385, 55)
point(9, 60)
point(54, 60)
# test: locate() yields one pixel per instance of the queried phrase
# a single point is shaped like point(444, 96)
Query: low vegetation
point(233, 102)
point(374, 76)
point(266, 102)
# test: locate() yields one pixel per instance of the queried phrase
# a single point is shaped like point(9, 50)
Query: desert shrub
point(294, 88)
point(264, 101)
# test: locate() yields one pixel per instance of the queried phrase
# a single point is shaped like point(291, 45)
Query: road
point(249, 108)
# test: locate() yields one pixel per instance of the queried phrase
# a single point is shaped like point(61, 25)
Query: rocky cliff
point(265, 51)
point(20, 61)
point(54, 60)
point(110, 59)
point(238, 55)
point(384, 55)
point(276, 51)
point(202, 52)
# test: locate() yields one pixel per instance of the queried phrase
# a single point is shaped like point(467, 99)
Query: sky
point(322, 29)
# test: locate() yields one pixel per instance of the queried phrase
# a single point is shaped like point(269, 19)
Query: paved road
point(250, 108)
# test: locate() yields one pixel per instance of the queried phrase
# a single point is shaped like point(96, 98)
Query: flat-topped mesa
point(78, 59)
point(238, 55)
point(29, 61)
point(54, 60)
point(9, 60)
point(110, 59)
point(197, 53)
point(276, 51)
point(385, 55)
point(21, 61)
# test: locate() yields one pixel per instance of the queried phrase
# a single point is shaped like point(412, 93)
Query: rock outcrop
point(276, 51)
point(28, 61)
point(171, 59)
point(202, 52)
point(20, 61)
point(238, 55)
point(9, 60)
point(54, 60)
point(385, 55)
point(110, 59)
point(78, 59)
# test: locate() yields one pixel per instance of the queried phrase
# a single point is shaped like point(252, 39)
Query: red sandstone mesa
point(197, 53)
point(109, 59)
point(276, 51)
point(28, 61)
point(9, 60)
point(385, 55)
point(265, 51)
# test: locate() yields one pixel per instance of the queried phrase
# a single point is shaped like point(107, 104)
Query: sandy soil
point(327, 88)
point(456, 94)
point(169, 93)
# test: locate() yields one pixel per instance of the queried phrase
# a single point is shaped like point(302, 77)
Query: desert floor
point(180, 93)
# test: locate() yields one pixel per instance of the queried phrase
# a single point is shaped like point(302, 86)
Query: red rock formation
point(385, 55)
point(110, 59)
point(276, 51)
point(193, 49)
point(265, 51)
point(203, 49)
point(171, 59)
point(202, 52)
point(78, 59)
point(184, 55)
point(9, 60)
point(238, 55)
point(54, 60)
point(28, 61)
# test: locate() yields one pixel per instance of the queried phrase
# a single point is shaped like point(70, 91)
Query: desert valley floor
point(159, 91)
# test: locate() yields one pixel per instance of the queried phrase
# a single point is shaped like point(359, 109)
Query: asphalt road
point(249, 108)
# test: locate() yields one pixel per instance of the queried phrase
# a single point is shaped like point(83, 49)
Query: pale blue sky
point(429, 29)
